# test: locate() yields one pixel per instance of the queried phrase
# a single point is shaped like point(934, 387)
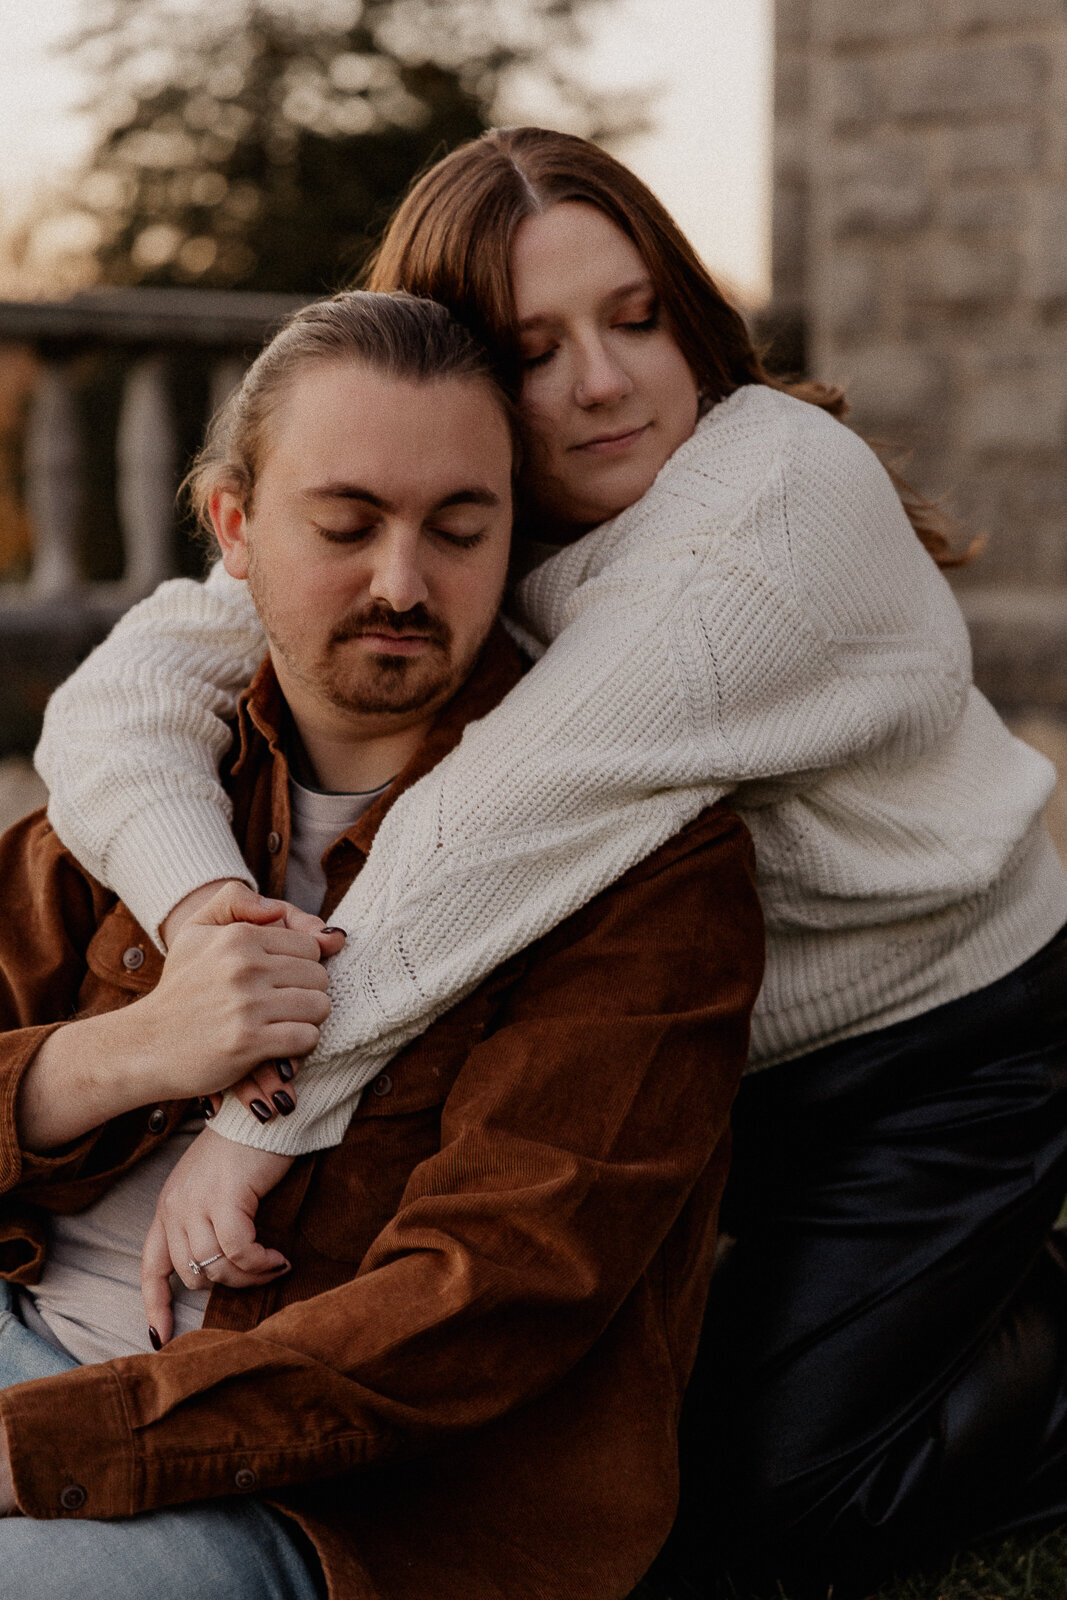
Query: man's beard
point(364, 682)
point(381, 684)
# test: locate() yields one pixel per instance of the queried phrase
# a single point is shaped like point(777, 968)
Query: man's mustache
point(379, 618)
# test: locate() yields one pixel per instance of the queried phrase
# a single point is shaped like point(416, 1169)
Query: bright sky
point(708, 158)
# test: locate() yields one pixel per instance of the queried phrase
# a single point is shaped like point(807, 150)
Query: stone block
point(854, 92)
point(1018, 414)
point(792, 21)
point(848, 292)
point(993, 148)
point(880, 186)
point(792, 151)
point(891, 385)
point(1048, 248)
point(996, 13)
point(982, 206)
point(792, 96)
point(965, 80)
point(955, 272)
point(851, 22)
point(789, 241)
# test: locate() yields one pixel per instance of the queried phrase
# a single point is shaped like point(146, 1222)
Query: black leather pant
point(883, 1372)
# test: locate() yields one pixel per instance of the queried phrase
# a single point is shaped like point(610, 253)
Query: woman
point(742, 608)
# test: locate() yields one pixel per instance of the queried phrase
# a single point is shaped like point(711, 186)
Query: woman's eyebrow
point(613, 297)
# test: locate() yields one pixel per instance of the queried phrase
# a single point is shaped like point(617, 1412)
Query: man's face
point(376, 545)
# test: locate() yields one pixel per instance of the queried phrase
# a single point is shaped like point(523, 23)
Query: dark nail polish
point(207, 1108)
point(285, 1070)
point(284, 1102)
point(341, 931)
point(154, 1340)
point(261, 1110)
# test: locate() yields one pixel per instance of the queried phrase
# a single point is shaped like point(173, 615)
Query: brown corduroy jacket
point(468, 1386)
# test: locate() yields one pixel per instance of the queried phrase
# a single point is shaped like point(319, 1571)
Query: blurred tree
point(260, 144)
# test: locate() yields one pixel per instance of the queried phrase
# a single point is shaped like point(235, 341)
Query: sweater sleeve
point(132, 742)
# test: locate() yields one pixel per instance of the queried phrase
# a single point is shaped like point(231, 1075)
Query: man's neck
point(324, 758)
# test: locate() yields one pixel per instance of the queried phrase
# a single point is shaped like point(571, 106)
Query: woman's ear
point(231, 530)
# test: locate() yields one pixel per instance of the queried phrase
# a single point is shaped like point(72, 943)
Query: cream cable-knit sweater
point(764, 621)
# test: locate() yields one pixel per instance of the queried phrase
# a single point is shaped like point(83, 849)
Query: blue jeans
point(237, 1548)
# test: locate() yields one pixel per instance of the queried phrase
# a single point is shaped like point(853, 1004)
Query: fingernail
point(153, 1338)
point(285, 1070)
point(261, 1110)
point(341, 931)
point(283, 1266)
point(206, 1107)
point(285, 1102)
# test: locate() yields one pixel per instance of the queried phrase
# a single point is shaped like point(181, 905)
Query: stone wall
point(920, 244)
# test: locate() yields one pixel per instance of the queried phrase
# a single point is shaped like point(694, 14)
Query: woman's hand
point(207, 1207)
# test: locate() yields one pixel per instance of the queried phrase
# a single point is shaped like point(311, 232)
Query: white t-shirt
point(88, 1301)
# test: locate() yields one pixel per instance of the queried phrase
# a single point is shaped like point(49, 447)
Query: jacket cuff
point(70, 1445)
point(166, 851)
point(18, 1166)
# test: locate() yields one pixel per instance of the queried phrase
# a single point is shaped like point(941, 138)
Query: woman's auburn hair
point(450, 240)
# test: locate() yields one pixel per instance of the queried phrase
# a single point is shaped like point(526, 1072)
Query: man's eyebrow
point(474, 495)
point(343, 491)
point(623, 292)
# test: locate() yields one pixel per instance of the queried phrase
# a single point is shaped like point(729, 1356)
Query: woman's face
point(607, 395)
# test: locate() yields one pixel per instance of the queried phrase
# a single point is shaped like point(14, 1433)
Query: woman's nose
point(397, 579)
point(600, 380)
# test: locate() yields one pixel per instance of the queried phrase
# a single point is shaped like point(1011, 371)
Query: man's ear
point(231, 530)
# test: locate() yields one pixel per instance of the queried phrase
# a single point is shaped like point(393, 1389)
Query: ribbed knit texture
point(764, 621)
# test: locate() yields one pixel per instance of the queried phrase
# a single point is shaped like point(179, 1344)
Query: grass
point(1020, 1569)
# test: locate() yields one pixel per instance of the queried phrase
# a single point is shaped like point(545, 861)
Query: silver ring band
point(197, 1267)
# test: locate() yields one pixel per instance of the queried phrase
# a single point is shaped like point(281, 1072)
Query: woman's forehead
point(572, 250)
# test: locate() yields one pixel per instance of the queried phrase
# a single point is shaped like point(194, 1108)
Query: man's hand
point(207, 1207)
point(243, 984)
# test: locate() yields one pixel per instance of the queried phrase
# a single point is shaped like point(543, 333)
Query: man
point(468, 1384)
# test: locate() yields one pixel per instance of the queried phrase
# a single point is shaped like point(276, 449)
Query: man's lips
point(612, 444)
point(395, 644)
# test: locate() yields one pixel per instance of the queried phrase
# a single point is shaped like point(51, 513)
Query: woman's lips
point(613, 444)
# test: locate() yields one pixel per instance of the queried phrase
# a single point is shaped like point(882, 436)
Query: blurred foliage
point(259, 144)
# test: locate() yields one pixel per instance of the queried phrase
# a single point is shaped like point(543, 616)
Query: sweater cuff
point(70, 1445)
point(166, 851)
point(319, 1122)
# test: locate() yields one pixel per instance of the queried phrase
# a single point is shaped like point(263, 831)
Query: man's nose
point(600, 380)
point(397, 579)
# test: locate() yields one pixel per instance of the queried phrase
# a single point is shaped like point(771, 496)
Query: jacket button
point(157, 1120)
point(274, 842)
point(382, 1085)
point(73, 1497)
point(245, 1478)
point(133, 958)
